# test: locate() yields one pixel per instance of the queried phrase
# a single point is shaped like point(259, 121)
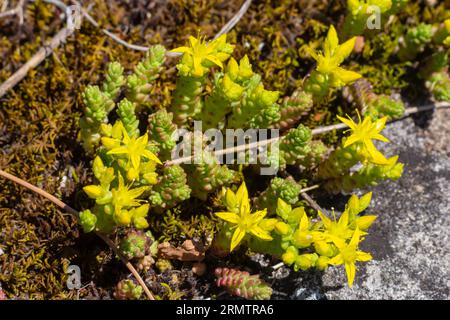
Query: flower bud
point(87, 220)
point(282, 228)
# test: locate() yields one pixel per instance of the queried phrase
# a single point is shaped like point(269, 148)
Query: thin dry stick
point(18, 10)
point(227, 27)
point(108, 33)
point(43, 53)
point(307, 189)
point(317, 131)
point(233, 21)
point(4, 6)
point(76, 214)
point(311, 201)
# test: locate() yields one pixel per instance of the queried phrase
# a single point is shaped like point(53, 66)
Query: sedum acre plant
point(359, 148)
point(299, 240)
point(328, 73)
point(198, 58)
point(366, 15)
point(137, 186)
point(242, 284)
point(360, 12)
point(420, 41)
point(242, 221)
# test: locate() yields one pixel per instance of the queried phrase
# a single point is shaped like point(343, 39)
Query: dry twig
point(35, 60)
point(233, 21)
point(311, 201)
point(18, 11)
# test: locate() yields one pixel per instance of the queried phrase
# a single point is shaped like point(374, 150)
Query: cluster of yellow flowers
point(117, 202)
point(300, 240)
point(200, 55)
point(242, 220)
point(333, 242)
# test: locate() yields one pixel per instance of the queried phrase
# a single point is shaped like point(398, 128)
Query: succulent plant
point(242, 284)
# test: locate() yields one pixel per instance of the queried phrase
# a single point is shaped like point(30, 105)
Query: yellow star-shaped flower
point(349, 254)
point(124, 197)
point(243, 220)
point(334, 54)
point(363, 133)
point(133, 148)
point(335, 228)
point(200, 51)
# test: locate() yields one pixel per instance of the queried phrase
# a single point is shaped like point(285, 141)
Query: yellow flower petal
point(117, 130)
point(355, 238)
point(349, 122)
point(380, 137)
point(142, 140)
point(214, 60)
point(233, 69)
point(181, 50)
point(312, 53)
point(118, 150)
point(346, 76)
point(228, 216)
point(304, 222)
point(375, 156)
point(331, 42)
point(135, 160)
point(350, 270)
point(268, 224)
point(231, 200)
point(220, 41)
point(344, 50)
point(123, 217)
point(110, 143)
point(93, 191)
point(364, 201)
point(380, 124)
point(242, 194)
point(238, 235)
point(343, 220)
point(134, 193)
point(245, 210)
point(151, 156)
point(258, 216)
point(141, 211)
point(363, 223)
point(337, 260)
point(351, 140)
point(193, 41)
point(363, 256)
point(198, 69)
point(326, 221)
point(260, 233)
point(126, 138)
point(151, 177)
point(140, 223)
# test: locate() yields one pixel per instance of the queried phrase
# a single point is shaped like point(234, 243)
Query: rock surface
point(410, 240)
